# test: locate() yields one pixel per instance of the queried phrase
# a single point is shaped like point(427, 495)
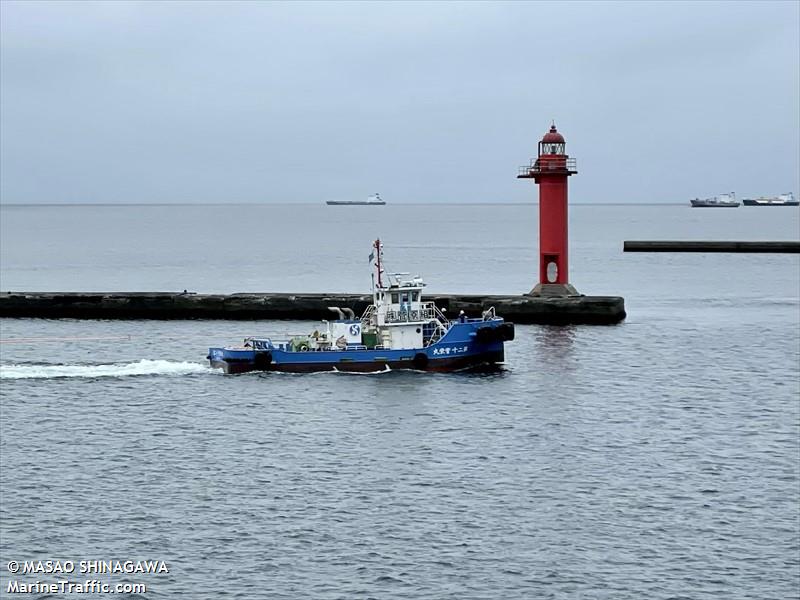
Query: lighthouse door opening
point(551, 267)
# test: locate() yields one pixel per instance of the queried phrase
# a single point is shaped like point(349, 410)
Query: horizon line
point(18, 204)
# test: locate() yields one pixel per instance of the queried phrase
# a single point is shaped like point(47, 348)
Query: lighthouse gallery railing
point(549, 165)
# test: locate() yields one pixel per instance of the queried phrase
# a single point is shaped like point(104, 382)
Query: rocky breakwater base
point(524, 309)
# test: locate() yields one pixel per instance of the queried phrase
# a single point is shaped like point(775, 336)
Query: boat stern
point(255, 355)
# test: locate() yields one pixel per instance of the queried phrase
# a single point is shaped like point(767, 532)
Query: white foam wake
point(142, 367)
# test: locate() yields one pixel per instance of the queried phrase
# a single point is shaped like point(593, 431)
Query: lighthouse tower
point(550, 170)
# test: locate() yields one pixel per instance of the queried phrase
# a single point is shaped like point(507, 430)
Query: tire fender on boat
point(263, 360)
point(420, 361)
point(505, 332)
point(486, 335)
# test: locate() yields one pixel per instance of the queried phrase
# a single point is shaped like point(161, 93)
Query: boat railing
point(440, 316)
point(366, 318)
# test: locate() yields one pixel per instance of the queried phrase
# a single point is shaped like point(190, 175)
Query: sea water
point(659, 458)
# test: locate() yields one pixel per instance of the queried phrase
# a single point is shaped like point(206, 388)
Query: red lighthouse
point(550, 170)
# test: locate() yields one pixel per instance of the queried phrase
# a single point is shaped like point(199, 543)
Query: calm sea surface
point(655, 459)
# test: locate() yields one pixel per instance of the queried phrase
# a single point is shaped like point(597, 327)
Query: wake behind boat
point(397, 331)
point(374, 200)
point(721, 201)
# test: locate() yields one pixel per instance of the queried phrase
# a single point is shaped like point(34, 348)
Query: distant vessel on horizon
point(375, 200)
point(721, 201)
point(782, 200)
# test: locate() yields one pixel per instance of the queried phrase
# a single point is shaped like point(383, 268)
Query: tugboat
point(397, 331)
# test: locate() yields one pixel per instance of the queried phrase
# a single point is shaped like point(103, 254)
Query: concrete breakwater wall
point(595, 310)
point(779, 247)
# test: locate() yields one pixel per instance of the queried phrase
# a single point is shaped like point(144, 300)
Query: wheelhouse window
point(395, 298)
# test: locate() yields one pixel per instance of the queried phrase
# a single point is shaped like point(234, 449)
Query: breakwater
point(779, 247)
point(593, 310)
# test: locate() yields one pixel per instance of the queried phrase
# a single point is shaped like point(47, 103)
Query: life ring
point(303, 347)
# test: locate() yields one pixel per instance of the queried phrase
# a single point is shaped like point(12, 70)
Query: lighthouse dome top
point(552, 143)
point(552, 136)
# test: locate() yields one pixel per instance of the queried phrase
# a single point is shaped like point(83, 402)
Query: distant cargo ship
point(782, 200)
point(374, 200)
point(721, 201)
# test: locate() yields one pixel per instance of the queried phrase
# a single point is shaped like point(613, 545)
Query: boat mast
point(378, 264)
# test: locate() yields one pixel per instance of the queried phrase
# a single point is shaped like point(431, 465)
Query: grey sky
point(422, 102)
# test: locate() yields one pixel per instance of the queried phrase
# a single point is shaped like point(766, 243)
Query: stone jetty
point(555, 310)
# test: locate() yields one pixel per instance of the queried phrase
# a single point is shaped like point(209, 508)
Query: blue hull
point(466, 345)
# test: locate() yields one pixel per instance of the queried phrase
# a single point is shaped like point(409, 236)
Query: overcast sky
point(422, 102)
